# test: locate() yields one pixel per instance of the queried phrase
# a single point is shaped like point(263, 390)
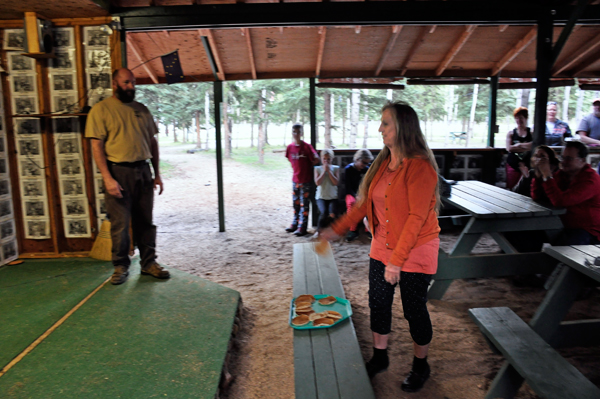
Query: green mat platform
point(147, 338)
point(36, 293)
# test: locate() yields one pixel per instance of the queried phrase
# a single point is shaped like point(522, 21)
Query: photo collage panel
point(64, 96)
point(97, 64)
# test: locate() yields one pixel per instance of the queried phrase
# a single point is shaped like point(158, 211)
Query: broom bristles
point(102, 248)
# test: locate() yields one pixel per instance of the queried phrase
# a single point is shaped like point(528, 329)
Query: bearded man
point(123, 140)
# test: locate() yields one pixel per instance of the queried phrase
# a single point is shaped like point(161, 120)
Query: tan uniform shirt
point(126, 129)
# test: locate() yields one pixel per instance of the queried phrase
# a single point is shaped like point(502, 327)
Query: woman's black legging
point(413, 291)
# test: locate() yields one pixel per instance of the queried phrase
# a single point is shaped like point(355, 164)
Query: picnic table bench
point(328, 363)
point(529, 348)
point(458, 135)
point(495, 211)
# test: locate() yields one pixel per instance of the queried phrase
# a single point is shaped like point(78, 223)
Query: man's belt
point(135, 164)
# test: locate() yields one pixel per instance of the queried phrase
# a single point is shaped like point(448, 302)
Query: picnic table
point(529, 348)
point(492, 210)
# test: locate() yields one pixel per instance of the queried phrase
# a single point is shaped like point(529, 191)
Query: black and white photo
point(63, 38)
point(9, 251)
point(63, 60)
point(70, 167)
point(77, 227)
point(33, 208)
point(14, 39)
point(99, 80)
point(32, 188)
point(65, 125)
point(72, 187)
point(2, 145)
point(7, 229)
point(63, 82)
point(67, 146)
point(75, 207)
point(98, 59)
point(31, 167)
point(29, 147)
point(4, 187)
point(65, 103)
point(25, 105)
point(3, 169)
point(36, 228)
point(101, 206)
point(95, 37)
point(98, 95)
point(28, 125)
point(99, 186)
point(23, 84)
point(20, 64)
point(5, 208)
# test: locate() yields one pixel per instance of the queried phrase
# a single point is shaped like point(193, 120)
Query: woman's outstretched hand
point(328, 234)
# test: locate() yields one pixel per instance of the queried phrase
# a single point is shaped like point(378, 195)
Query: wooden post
point(218, 92)
point(493, 127)
point(542, 74)
point(313, 142)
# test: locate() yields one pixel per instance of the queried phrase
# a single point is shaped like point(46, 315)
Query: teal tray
point(342, 306)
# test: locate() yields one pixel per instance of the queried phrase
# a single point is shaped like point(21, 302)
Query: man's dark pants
point(135, 207)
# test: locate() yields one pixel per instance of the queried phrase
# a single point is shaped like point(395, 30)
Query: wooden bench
point(328, 363)
point(544, 369)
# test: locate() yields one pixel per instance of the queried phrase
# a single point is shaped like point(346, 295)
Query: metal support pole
point(544, 56)
point(218, 93)
point(313, 142)
point(493, 127)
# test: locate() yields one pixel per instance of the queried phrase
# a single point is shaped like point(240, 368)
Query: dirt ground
point(254, 257)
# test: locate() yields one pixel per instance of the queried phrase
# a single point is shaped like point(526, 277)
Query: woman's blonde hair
point(411, 144)
point(363, 154)
point(329, 152)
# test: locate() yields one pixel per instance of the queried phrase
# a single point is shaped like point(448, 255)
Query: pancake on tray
point(328, 300)
point(323, 322)
point(305, 298)
point(315, 316)
point(300, 320)
point(332, 314)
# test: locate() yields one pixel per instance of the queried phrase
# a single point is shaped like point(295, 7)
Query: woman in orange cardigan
point(400, 197)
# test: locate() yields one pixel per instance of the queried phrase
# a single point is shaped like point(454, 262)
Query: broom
point(102, 248)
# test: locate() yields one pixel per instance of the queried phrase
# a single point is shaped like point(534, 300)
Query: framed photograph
point(63, 38)
point(33, 208)
point(29, 146)
point(32, 188)
point(26, 105)
point(5, 208)
point(23, 84)
point(7, 229)
point(4, 187)
point(100, 80)
point(14, 39)
point(72, 187)
point(67, 146)
point(94, 36)
point(69, 167)
point(65, 103)
point(2, 145)
point(63, 82)
point(77, 227)
point(9, 251)
point(31, 167)
point(98, 95)
point(101, 206)
point(64, 60)
point(36, 229)
point(28, 126)
point(65, 125)
point(75, 207)
point(98, 59)
point(99, 186)
point(3, 168)
point(18, 63)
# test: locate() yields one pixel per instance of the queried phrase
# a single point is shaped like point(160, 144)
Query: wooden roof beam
point(515, 51)
point(586, 63)
point(388, 48)
point(323, 33)
point(246, 33)
point(411, 53)
point(578, 56)
point(213, 46)
point(141, 58)
point(469, 29)
point(503, 28)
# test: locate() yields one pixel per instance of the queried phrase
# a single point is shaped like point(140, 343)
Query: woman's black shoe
point(378, 363)
point(415, 381)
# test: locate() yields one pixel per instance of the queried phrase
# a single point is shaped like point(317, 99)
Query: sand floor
point(254, 257)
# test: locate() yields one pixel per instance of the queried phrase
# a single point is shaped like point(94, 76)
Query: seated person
point(326, 178)
point(575, 187)
point(518, 145)
point(523, 186)
point(353, 175)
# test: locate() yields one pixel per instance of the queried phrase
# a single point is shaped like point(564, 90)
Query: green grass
point(166, 169)
point(249, 156)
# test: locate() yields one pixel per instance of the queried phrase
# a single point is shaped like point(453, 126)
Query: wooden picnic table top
point(483, 200)
point(578, 257)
